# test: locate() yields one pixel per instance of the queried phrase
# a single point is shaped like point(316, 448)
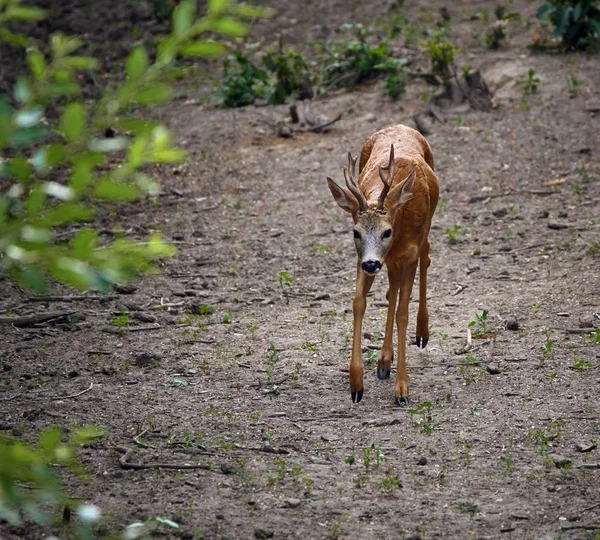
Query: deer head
point(373, 220)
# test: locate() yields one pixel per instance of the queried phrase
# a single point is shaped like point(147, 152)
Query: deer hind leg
point(423, 313)
point(406, 284)
point(359, 306)
point(386, 356)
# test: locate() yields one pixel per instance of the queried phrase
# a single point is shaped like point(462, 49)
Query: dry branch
point(124, 463)
point(76, 395)
point(30, 320)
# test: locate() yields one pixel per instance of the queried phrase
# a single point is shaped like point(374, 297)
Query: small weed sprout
point(530, 82)
point(573, 85)
point(424, 420)
point(479, 325)
point(442, 52)
point(285, 282)
point(452, 234)
point(581, 365)
point(121, 321)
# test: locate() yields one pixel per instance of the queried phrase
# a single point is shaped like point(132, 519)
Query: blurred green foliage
point(576, 22)
point(30, 488)
point(66, 156)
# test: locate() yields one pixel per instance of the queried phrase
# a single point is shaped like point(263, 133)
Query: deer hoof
point(422, 343)
point(402, 401)
point(383, 373)
point(357, 396)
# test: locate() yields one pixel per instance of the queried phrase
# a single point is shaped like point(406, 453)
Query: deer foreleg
point(406, 284)
point(359, 306)
point(423, 313)
point(387, 349)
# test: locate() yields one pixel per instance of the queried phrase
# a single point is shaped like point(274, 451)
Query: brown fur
point(410, 220)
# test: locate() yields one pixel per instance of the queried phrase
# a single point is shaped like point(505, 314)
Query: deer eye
point(356, 234)
point(387, 233)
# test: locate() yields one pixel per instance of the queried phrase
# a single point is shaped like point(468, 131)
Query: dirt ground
point(499, 442)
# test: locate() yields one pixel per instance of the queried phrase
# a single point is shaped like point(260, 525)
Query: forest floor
point(236, 356)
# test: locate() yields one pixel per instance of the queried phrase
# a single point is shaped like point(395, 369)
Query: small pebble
point(493, 369)
point(146, 359)
point(108, 370)
point(584, 447)
point(422, 461)
point(73, 373)
point(125, 289)
point(262, 534)
point(512, 324)
point(292, 503)
point(559, 461)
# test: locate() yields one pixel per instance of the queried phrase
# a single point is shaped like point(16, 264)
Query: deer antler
point(351, 183)
point(386, 179)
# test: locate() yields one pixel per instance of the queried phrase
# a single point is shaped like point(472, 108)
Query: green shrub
point(243, 82)
point(576, 22)
point(354, 61)
point(57, 172)
point(442, 52)
point(30, 489)
point(291, 73)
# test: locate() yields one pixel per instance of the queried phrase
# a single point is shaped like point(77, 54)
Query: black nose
point(371, 266)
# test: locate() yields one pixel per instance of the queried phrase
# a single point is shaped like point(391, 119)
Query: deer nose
point(371, 267)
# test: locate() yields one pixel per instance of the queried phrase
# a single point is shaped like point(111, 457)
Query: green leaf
point(203, 48)
point(230, 27)
point(136, 63)
point(83, 243)
point(168, 155)
point(215, 6)
point(152, 95)
point(22, 90)
point(63, 45)
point(81, 62)
point(24, 136)
point(37, 63)
point(183, 17)
point(73, 120)
point(28, 117)
point(24, 13)
point(66, 212)
point(158, 248)
point(31, 278)
point(14, 38)
point(35, 201)
point(137, 125)
point(110, 190)
point(49, 439)
point(61, 89)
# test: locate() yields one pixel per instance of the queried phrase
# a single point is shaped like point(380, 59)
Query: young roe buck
point(392, 205)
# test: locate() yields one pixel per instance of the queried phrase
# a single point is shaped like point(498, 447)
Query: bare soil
point(257, 391)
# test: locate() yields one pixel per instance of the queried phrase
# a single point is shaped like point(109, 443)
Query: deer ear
point(343, 197)
point(399, 195)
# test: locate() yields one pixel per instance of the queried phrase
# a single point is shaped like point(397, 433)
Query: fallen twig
point(580, 330)
point(124, 463)
point(319, 127)
point(137, 441)
point(541, 192)
point(460, 288)
point(29, 320)
point(73, 298)
point(76, 395)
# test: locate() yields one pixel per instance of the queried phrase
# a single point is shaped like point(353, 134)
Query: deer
point(392, 204)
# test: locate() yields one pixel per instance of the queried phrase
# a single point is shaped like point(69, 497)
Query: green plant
point(452, 233)
point(13, 11)
point(291, 73)
point(573, 85)
point(390, 482)
point(479, 325)
point(227, 317)
point(336, 526)
point(469, 507)
point(344, 65)
point(121, 321)
point(576, 22)
point(30, 489)
point(597, 336)
point(442, 52)
point(581, 365)
point(273, 354)
point(60, 164)
point(243, 82)
point(530, 82)
point(424, 415)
